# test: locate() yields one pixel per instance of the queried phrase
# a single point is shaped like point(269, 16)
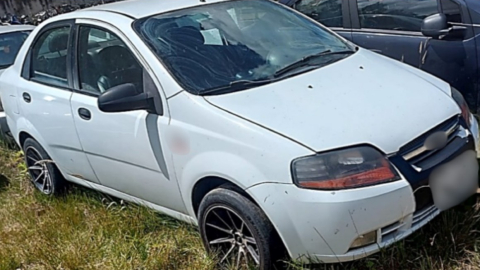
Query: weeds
point(87, 230)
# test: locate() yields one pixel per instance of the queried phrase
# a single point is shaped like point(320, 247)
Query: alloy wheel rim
point(230, 236)
point(38, 170)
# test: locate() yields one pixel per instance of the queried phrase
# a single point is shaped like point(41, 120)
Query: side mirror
point(436, 25)
point(124, 98)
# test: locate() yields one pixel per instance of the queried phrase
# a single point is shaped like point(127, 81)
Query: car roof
point(143, 8)
point(15, 28)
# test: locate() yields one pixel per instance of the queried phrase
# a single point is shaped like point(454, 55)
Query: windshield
point(10, 44)
point(227, 44)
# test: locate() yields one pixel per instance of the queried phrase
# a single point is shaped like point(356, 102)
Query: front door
point(44, 94)
point(125, 149)
point(393, 28)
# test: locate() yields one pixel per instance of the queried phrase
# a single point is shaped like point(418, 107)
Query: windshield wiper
point(234, 86)
point(305, 61)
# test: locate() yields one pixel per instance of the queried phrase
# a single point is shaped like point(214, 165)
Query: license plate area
point(455, 181)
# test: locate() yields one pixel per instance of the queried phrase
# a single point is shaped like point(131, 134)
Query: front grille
point(416, 162)
point(419, 157)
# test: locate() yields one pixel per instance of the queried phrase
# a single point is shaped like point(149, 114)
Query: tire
point(44, 174)
point(5, 139)
point(222, 207)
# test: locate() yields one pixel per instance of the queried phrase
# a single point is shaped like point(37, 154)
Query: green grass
point(88, 230)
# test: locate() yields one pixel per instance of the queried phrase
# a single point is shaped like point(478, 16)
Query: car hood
point(363, 99)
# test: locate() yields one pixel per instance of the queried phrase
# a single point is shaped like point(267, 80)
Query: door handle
point(84, 114)
point(27, 97)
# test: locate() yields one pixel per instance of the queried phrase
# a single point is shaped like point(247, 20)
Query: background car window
point(452, 10)
point(400, 15)
point(49, 57)
point(10, 44)
point(105, 61)
point(327, 12)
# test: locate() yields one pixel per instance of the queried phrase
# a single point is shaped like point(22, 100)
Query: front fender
point(224, 165)
point(225, 146)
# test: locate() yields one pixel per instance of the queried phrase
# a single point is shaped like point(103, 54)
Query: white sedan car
point(11, 39)
point(267, 130)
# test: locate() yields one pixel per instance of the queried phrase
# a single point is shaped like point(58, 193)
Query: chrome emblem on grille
point(436, 141)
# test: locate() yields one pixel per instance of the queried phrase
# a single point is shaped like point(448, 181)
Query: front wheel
point(236, 230)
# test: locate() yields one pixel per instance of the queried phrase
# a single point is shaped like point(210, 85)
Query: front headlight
point(458, 97)
point(342, 169)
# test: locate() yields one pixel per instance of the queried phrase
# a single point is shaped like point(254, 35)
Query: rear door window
point(49, 57)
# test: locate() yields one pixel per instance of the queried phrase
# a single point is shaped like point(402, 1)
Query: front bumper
point(320, 226)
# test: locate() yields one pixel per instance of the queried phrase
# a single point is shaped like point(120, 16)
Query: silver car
point(11, 39)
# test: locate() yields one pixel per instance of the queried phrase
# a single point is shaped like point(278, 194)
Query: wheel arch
point(23, 136)
point(206, 184)
point(24, 130)
point(203, 186)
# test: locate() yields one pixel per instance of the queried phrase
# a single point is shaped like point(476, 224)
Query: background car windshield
point(211, 46)
point(10, 44)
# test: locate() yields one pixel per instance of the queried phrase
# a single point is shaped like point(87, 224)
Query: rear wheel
point(45, 176)
point(236, 230)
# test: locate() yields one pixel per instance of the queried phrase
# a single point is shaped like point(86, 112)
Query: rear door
point(44, 94)
point(334, 14)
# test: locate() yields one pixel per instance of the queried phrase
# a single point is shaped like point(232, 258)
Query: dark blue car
point(437, 36)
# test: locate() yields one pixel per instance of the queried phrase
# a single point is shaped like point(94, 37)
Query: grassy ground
point(88, 230)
